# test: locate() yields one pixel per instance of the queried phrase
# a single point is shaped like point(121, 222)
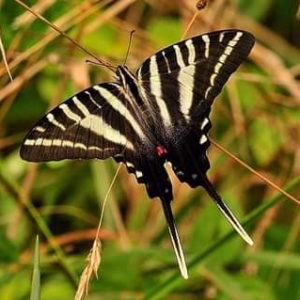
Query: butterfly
point(158, 115)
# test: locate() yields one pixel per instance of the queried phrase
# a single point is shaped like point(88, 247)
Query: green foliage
point(257, 10)
point(164, 31)
point(266, 141)
point(256, 118)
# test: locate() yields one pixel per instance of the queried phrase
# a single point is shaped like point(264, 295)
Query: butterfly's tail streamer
point(224, 209)
point(174, 237)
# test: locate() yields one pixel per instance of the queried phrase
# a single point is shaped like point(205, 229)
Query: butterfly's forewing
point(187, 76)
point(94, 123)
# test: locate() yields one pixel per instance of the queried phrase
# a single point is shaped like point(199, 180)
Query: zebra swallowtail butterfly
point(158, 115)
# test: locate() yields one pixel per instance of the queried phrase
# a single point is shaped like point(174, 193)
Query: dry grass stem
point(91, 269)
point(266, 180)
point(2, 49)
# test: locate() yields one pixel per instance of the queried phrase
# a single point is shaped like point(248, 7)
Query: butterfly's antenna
point(129, 45)
point(101, 61)
point(96, 63)
point(225, 210)
point(174, 237)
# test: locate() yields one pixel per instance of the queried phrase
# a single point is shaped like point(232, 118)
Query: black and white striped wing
point(183, 80)
point(95, 123)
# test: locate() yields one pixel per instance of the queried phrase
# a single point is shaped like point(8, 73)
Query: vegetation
point(257, 118)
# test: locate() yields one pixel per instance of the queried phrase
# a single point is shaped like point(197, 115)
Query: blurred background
point(256, 118)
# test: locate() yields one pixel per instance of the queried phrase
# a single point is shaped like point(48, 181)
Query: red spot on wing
point(160, 150)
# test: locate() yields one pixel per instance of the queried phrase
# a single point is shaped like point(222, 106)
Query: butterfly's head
point(121, 70)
